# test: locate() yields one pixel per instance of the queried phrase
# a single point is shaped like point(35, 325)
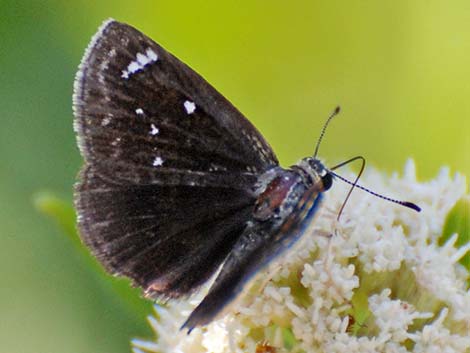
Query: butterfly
point(177, 185)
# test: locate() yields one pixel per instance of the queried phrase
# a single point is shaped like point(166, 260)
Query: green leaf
point(458, 221)
point(359, 313)
point(59, 210)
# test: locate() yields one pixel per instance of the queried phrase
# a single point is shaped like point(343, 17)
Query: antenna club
point(411, 205)
point(399, 202)
point(337, 110)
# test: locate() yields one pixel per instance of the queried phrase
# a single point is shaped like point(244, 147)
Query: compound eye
point(327, 181)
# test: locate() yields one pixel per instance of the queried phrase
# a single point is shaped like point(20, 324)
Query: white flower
point(376, 281)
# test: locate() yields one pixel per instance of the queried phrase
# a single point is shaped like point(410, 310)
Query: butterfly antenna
point(355, 185)
point(332, 115)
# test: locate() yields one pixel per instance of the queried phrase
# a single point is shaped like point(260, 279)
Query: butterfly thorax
point(279, 190)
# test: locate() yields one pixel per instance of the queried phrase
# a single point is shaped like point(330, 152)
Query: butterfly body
point(286, 200)
point(176, 182)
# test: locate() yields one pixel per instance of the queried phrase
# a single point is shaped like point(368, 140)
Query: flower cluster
point(377, 280)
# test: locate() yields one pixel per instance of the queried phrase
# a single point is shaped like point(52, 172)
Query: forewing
point(166, 189)
point(142, 116)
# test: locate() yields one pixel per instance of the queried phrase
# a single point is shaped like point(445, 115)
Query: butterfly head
point(317, 172)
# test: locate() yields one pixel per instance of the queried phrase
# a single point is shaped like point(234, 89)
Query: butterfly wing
point(169, 164)
point(168, 240)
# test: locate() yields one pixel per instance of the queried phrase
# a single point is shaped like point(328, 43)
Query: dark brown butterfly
point(177, 183)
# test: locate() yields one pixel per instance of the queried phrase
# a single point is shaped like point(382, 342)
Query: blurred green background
point(399, 69)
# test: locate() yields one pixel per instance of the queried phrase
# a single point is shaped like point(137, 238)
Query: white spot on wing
point(139, 111)
point(133, 67)
point(157, 162)
point(105, 121)
point(154, 130)
point(116, 141)
point(142, 60)
point(151, 54)
point(190, 107)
